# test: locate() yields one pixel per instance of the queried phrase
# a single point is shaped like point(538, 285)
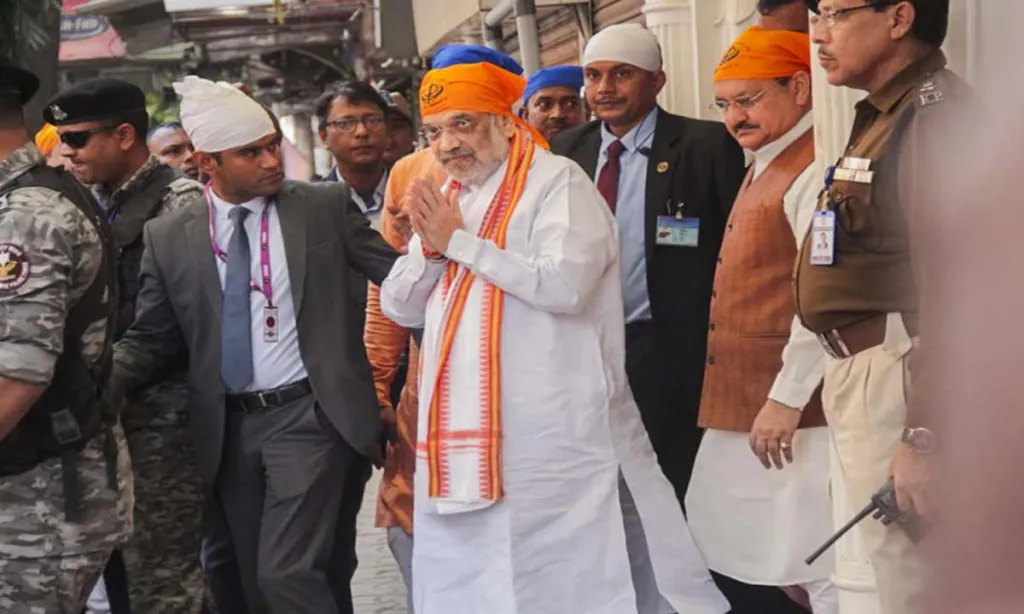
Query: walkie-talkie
point(885, 509)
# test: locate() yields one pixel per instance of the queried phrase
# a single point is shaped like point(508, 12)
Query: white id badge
point(270, 324)
point(678, 231)
point(823, 238)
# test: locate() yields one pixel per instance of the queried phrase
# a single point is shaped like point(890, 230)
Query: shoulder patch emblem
point(929, 92)
point(14, 267)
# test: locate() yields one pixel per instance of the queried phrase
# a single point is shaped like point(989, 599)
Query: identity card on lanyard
point(823, 238)
point(271, 323)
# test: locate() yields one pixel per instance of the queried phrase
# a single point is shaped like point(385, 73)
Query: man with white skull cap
point(251, 281)
point(671, 182)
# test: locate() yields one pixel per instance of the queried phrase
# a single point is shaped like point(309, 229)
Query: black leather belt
point(265, 399)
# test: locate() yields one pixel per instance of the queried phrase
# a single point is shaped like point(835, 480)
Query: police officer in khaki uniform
point(65, 478)
point(103, 125)
point(857, 288)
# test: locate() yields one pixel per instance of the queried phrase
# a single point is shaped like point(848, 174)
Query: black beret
point(812, 5)
point(94, 100)
point(17, 82)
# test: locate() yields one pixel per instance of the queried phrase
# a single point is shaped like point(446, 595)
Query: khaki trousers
point(864, 398)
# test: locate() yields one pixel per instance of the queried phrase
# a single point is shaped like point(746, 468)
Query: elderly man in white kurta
point(756, 516)
point(525, 418)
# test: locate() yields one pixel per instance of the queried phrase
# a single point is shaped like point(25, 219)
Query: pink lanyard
point(267, 289)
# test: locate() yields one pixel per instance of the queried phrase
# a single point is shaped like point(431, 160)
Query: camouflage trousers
point(162, 558)
point(49, 585)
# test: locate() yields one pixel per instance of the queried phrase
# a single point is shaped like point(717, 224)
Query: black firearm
point(883, 507)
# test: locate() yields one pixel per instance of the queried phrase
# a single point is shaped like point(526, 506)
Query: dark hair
point(767, 6)
point(139, 120)
point(164, 126)
point(931, 20)
point(353, 92)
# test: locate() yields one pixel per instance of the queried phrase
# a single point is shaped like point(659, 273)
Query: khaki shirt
point(877, 190)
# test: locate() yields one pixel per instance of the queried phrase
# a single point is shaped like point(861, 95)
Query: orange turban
point(765, 54)
point(46, 139)
point(477, 88)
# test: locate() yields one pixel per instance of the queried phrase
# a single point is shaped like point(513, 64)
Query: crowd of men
point(579, 349)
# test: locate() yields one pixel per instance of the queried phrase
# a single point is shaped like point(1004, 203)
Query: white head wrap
point(219, 116)
point(627, 43)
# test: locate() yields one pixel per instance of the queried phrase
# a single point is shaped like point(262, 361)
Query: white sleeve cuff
point(463, 248)
point(792, 393)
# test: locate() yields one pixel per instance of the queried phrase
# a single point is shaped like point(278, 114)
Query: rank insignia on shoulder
point(929, 92)
point(14, 267)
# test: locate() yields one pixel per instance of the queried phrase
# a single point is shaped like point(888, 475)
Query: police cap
point(16, 82)
point(94, 100)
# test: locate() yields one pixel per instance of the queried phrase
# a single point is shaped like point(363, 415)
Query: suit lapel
point(588, 151)
point(663, 163)
point(291, 210)
point(197, 229)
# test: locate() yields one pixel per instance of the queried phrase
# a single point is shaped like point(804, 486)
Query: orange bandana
point(765, 54)
point(47, 139)
point(476, 88)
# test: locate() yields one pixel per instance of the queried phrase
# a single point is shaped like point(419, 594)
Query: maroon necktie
point(608, 180)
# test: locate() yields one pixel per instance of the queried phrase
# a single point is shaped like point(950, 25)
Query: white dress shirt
point(803, 359)
point(275, 363)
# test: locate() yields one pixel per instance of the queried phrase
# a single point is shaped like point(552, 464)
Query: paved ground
point(377, 587)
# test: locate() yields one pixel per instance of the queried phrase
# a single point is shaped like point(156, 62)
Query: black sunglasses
point(80, 138)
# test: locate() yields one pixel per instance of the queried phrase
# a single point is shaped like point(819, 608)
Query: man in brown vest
point(860, 292)
point(755, 524)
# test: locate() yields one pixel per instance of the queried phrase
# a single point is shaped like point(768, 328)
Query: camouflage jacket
point(164, 404)
point(49, 255)
point(181, 192)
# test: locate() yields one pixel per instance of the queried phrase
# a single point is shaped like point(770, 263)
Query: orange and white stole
point(463, 437)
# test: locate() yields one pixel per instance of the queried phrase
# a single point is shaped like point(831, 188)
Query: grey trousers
point(400, 544)
point(280, 487)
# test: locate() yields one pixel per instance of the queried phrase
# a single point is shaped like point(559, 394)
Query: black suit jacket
point(696, 168)
point(179, 308)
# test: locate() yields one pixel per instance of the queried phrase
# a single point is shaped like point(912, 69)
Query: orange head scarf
point(765, 54)
point(477, 88)
point(46, 139)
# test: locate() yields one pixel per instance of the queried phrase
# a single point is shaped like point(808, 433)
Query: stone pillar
point(672, 21)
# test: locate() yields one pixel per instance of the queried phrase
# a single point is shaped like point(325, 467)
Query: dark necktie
point(236, 321)
point(608, 180)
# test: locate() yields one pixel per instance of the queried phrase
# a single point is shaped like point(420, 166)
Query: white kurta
point(555, 542)
point(753, 524)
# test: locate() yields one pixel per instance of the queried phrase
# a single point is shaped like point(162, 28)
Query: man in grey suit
point(252, 281)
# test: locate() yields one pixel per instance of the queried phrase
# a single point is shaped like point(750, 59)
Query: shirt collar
point(764, 156)
point(223, 207)
point(20, 160)
point(639, 136)
point(907, 79)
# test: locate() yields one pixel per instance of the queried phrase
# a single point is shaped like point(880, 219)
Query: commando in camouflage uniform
point(48, 565)
point(162, 559)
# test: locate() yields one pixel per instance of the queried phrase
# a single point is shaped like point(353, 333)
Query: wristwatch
point(920, 440)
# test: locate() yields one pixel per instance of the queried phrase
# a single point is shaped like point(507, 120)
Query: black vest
point(69, 414)
point(127, 235)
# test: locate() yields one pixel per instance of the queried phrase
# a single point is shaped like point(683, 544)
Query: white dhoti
point(758, 525)
point(555, 541)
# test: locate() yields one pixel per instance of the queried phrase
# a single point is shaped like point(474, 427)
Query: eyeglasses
point(372, 123)
point(745, 103)
point(830, 16)
point(80, 138)
point(460, 127)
